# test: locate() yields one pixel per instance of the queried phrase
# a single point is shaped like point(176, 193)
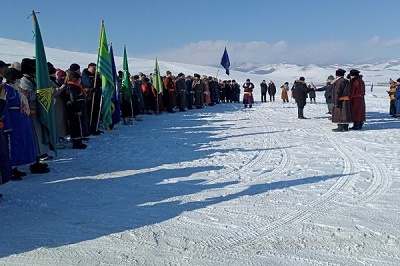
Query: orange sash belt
point(344, 98)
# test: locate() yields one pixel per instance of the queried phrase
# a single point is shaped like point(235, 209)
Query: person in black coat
point(264, 88)
point(271, 91)
point(300, 90)
point(76, 109)
point(93, 101)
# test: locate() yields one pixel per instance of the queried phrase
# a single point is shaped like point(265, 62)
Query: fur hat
point(51, 68)
point(2, 64)
point(12, 74)
point(16, 65)
point(354, 73)
point(28, 66)
point(340, 72)
point(74, 67)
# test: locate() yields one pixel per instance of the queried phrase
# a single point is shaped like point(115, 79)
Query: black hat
point(196, 75)
point(2, 64)
point(91, 64)
point(398, 80)
point(354, 73)
point(28, 66)
point(340, 72)
point(74, 67)
point(247, 79)
point(330, 78)
point(12, 74)
point(181, 75)
point(302, 79)
point(52, 70)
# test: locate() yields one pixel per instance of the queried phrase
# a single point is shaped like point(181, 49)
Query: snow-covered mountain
point(377, 73)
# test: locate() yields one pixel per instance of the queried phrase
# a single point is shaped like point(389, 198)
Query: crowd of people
point(77, 97)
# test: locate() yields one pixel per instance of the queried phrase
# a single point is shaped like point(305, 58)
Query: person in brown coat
point(357, 101)
point(341, 101)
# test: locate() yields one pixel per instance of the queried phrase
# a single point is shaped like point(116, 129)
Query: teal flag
point(126, 82)
point(44, 90)
point(157, 81)
point(104, 68)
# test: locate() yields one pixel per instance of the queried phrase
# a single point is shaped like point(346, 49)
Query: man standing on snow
point(357, 102)
point(248, 98)
point(93, 90)
point(341, 108)
point(300, 91)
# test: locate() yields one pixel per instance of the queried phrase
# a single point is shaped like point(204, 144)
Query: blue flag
point(225, 62)
point(116, 111)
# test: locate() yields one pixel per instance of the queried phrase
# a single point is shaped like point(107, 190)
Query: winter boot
point(127, 121)
point(38, 168)
point(340, 128)
point(345, 127)
point(77, 144)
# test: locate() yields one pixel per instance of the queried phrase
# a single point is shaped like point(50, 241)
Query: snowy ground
point(219, 186)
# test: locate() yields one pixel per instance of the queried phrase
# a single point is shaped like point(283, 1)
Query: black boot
point(38, 168)
point(345, 127)
point(77, 144)
point(340, 128)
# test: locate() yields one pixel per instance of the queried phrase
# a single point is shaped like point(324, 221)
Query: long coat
point(284, 92)
point(300, 91)
point(29, 85)
point(76, 107)
point(397, 96)
point(341, 109)
point(271, 89)
point(22, 144)
point(248, 93)
point(357, 102)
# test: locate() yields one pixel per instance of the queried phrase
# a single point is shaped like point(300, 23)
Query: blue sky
point(196, 32)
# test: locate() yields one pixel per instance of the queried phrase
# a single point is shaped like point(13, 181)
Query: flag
point(157, 82)
point(225, 62)
point(44, 90)
point(107, 82)
point(116, 115)
point(126, 88)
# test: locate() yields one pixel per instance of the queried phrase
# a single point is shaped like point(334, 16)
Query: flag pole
point(95, 82)
point(98, 52)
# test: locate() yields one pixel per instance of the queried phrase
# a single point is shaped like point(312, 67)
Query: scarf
point(78, 85)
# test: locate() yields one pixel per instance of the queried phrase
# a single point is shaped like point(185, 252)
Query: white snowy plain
point(222, 185)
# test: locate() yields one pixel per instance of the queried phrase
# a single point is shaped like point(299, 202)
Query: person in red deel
point(248, 98)
point(357, 102)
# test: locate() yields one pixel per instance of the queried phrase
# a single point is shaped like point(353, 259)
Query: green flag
point(44, 90)
point(157, 82)
point(126, 88)
point(104, 67)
